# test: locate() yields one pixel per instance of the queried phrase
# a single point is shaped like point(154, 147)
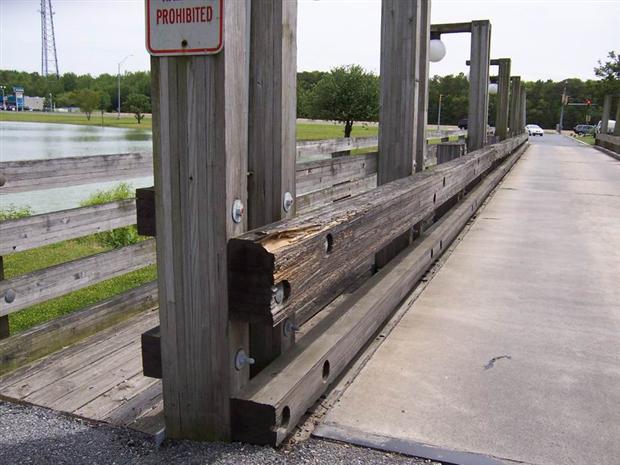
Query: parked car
point(582, 129)
point(462, 124)
point(534, 130)
point(611, 125)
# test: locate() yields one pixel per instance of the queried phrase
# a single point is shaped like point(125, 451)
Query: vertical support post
point(423, 63)
point(515, 99)
point(606, 113)
point(503, 91)
point(523, 110)
point(479, 85)
point(271, 141)
point(398, 116)
point(4, 320)
point(617, 128)
point(200, 163)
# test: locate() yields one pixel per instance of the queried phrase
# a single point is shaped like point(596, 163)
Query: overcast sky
point(547, 39)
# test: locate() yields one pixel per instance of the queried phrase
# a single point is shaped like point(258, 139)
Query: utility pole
point(564, 102)
point(439, 113)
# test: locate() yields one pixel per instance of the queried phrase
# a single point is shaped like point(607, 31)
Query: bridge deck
point(100, 379)
point(512, 351)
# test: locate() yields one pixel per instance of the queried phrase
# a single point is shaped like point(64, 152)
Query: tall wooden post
point(606, 113)
point(515, 99)
point(503, 91)
point(398, 116)
point(617, 128)
point(271, 141)
point(423, 63)
point(4, 320)
point(479, 84)
point(200, 155)
point(523, 110)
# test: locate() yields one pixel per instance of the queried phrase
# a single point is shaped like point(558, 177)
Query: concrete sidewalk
point(512, 352)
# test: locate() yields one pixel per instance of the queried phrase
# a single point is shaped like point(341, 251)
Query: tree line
point(347, 94)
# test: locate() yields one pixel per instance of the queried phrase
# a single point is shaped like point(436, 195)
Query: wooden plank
point(423, 64)
point(5, 330)
point(503, 93)
point(151, 353)
point(200, 120)
point(136, 406)
point(31, 175)
point(32, 378)
point(308, 254)
point(609, 142)
point(312, 200)
point(398, 114)
point(316, 175)
point(41, 285)
point(48, 228)
point(451, 28)
point(329, 146)
point(274, 401)
point(513, 120)
point(61, 332)
point(477, 119)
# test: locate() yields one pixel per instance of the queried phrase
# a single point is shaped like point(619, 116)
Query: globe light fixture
point(436, 50)
point(492, 88)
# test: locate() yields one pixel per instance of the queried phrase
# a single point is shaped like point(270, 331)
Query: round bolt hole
point(444, 182)
point(329, 243)
point(434, 198)
point(325, 370)
point(184, 43)
point(286, 417)
point(441, 244)
point(432, 253)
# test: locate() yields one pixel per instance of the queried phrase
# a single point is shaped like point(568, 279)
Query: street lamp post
point(118, 96)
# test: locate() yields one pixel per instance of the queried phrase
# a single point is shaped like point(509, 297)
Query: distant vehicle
point(611, 125)
point(534, 130)
point(582, 129)
point(462, 124)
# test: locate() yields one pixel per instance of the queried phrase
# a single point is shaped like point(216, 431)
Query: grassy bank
point(305, 131)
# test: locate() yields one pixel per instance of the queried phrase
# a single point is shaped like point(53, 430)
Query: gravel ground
point(37, 436)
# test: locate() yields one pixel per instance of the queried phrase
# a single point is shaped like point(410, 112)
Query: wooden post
point(479, 85)
point(4, 320)
point(523, 110)
point(271, 141)
point(200, 158)
point(423, 63)
point(515, 99)
point(617, 128)
point(606, 114)
point(503, 91)
point(398, 116)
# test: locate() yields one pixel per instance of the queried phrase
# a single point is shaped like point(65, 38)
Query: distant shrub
point(119, 237)
point(11, 212)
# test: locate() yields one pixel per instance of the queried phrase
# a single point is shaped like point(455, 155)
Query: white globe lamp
point(492, 88)
point(436, 50)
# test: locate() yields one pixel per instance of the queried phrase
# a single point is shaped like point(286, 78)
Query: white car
point(534, 130)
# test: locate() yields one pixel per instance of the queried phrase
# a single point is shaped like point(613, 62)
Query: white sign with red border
point(184, 27)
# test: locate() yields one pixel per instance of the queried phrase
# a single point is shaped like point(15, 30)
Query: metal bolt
point(241, 359)
point(237, 211)
point(289, 327)
point(288, 201)
point(2, 179)
point(9, 296)
point(278, 293)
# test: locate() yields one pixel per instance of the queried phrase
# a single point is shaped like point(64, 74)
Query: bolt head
point(237, 211)
point(9, 296)
point(288, 201)
point(278, 293)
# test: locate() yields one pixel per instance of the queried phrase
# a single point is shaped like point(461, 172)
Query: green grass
point(587, 139)
point(318, 131)
point(109, 119)
point(43, 257)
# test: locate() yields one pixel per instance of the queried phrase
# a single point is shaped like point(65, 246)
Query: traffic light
point(588, 102)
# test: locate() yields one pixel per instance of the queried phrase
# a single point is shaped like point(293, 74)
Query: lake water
point(29, 141)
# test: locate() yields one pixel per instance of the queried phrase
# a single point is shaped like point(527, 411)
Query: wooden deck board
point(99, 378)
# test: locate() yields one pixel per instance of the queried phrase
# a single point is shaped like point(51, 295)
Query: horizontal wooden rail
point(320, 174)
point(48, 228)
point(36, 287)
point(30, 175)
point(609, 142)
point(328, 146)
point(53, 335)
point(275, 271)
point(273, 402)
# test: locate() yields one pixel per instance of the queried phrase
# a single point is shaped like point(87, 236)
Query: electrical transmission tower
point(49, 58)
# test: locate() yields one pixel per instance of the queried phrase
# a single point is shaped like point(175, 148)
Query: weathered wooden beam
point(5, 330)
point(268, 409)
point(151, 353)
point(515, 93)
point(503, 95)
point(606, 113)
point(451, 28)
point(401, 38)
point(423, 64)
point(271, 136)
point(276, 271)
point(38, 286)
point(200, 120)
point(145, 211)
point(617, 127)
point(477, 119)
point(53, 335)
point(48, 228)
point(329, 146)
point(523, 108)
point(31, 175)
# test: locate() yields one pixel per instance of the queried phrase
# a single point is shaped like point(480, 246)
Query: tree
point(347, 94)
point(610, 73)
point(88, 100)
point(138, 105)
